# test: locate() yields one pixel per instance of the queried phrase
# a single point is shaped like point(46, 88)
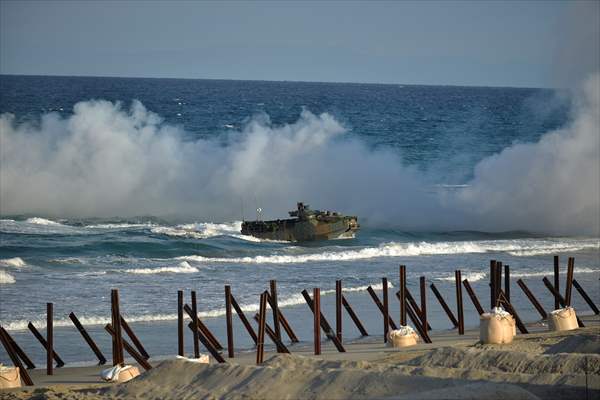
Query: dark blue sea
point(142, 184)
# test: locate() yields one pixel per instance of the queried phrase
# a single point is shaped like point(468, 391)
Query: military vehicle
point(306, 225)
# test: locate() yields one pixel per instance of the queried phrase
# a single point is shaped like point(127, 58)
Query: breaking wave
point(293, 300)
point(470, 276)
point(396, 249)
point(41, 221)
point(183, 268)
point(15, 262)
point(6, 278)
point(578, 270)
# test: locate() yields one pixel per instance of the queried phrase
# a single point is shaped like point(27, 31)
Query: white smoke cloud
point(105, 160)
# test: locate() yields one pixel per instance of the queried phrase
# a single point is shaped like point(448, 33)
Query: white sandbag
point(203, 359)
point(496, 327)
point(10, 377)
point(403, 337)
point(563, 319)
point(119, 374)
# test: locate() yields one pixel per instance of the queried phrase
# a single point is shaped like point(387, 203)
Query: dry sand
point(540, 365)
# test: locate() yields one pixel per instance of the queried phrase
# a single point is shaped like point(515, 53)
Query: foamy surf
point(42, 221)
point(15, 262)
point(6, 278)
point(411, 249)
point(183, 268)
point(200, 230)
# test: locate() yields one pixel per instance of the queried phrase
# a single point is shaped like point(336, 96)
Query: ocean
point(142, 184)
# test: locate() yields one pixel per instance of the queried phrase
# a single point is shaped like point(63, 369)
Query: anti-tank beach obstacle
point(409, 307)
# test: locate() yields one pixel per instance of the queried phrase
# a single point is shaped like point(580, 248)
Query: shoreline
point(368, 356)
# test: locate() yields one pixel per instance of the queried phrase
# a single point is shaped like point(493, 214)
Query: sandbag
point(563, 319)
point(403, 337)
point(10, 377)
point(496, 327)
point(120, 374)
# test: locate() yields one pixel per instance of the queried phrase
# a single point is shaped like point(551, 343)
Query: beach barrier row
point(500, 296)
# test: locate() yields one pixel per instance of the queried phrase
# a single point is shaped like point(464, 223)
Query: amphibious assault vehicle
point(305, 225)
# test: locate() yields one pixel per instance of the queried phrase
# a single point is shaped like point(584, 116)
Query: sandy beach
point(557, 365)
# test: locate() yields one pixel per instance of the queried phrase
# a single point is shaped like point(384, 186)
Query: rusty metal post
point(473, 297)
point(459, 302)
point(203, 328)
point(532, 299)
point(281, 348)
point(42, 340)
point(492, 283)
point(283, 321)
point(507, 282)
point(275, 308)
point(498, 280)
point(260, 349)
point(508, 307)
point(569, 285)
point(49, 338)
point(195, 339)
point(386, 309)
point(244, 320)
point(423, 295)
point(442, 302)
point(229, 319)
point(88, 339)
point(324, 324)
point(18, 350)
point(380, 306)
point(411, 300)
point(136, 342)
point(556, 281)
point(317, 320)
point(338, 309)
point(354, 317)
point(6, 342)
point(180, 347)
point(586, 297)
point(413, 315)
point(130, 349)
point(403, 295)
point(116, 324)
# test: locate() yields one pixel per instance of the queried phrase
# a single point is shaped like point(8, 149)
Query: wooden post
point(18, 350)
point(586, 297)
point(412, 314)
point(380, 306)
point(229, 320)
point(507, 282)
point(49, 339)
point(532, 299)
point(88, 339)
point(403, 295)
point(423, 297)
point(6, 342)
point(116, 324)
point(209, 346)
point(569, 285)
point(492, 283)
point(561, 300)
point(338, 309)
point(275, 308)
point(556, 281)
point(354, 317)
point(386, 309)
point(244, 320)
point(449, 313)
point(317, 319)
point(195, 339)
point(459, 302)
point(281, 348)
point(411, 300)
point(508, 307)
point(324, 324)
point(40, 338)
point(498, 280)
point(260, 349)
point(134, 338)
point(473, 297)
point(130, 349)
point(180, 347)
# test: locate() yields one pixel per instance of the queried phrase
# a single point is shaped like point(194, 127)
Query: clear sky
point(510, 43)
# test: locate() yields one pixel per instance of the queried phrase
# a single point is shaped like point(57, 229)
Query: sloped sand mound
point(589, 344)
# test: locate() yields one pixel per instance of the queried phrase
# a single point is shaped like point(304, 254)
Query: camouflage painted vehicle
point(306, 225)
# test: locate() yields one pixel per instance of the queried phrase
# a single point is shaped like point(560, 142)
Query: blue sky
point(535, 44)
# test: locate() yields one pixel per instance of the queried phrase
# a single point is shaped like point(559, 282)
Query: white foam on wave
point(183, 268)
point(470, 276)
point(554, 248)
point(200, 230)
point(15, 262)
point(398, 249)
point(6, 278)
point(290, 301)
point(42, 221)
point(578, 270)
point(120, 226)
